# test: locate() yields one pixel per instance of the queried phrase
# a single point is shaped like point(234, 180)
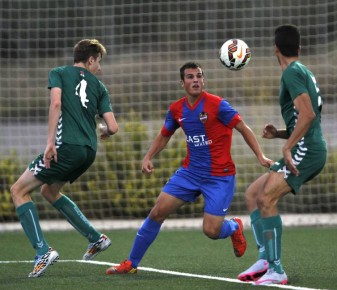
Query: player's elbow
point(309, 116)
point(56, 105)
point(113, 129)
point(312, 116)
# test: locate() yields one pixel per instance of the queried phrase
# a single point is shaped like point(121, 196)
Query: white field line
point(174, 273)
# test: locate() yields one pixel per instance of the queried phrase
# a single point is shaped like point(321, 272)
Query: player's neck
point(193, 99)
point(80, 64)
point(286, 61)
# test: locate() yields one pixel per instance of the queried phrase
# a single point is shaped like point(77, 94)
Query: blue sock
point(228, 228)
point(145, 236)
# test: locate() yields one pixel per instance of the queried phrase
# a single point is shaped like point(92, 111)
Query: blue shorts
point(217, 191)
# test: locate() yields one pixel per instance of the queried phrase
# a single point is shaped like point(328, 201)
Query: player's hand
point(269, 131)
point(147, 166)
point(266, 162)
point(50, 154)
point(104, 135)
point(290, 162)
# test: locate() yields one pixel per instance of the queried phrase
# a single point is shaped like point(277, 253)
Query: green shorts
point(308, 163)
point(72, 162)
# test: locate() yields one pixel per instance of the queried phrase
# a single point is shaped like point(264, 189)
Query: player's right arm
point(158, 144)
point(111, 127)
point(54, 115)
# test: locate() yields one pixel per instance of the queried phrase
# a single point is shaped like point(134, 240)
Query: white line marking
point(170, 273)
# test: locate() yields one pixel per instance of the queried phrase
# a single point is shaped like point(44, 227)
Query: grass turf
point(309, 256)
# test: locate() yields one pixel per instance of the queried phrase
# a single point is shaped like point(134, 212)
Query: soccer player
point(76, 96)
point(208, 169)
point(304, 155)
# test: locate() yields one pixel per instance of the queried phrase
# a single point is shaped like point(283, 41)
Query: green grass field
point(309, 258)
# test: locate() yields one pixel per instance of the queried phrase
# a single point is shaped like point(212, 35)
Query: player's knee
point(265, 201)
point(157, 215)
point(211, 232)
point(15, 192)
point(45, 192)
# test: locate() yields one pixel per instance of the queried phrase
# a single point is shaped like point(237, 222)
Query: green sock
point(29, 219)
point(272, 236)
point(76, 218)
point(255, 221)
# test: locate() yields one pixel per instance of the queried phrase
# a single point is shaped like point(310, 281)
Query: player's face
point(277, 54)
point(193, 82)
point(94, 65)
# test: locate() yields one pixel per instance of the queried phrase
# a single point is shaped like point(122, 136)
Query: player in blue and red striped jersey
point(208, 169)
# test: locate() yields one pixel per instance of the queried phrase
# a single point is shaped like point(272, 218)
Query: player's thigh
point(272, 188)
point(253, 190)
point(309, 166)
point(73, 161)
point(26, 183)
point(165, 205)
point(218, 192)
point(183, 185)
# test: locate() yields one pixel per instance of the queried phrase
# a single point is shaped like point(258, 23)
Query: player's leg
point(147, 233)
point(29, 219)
point(218, 194)
point(260, 267)
point(70, 211)
point(216, 227)
point(73, 161)
point(98, 242)
point(183, 186)
point(275, 187)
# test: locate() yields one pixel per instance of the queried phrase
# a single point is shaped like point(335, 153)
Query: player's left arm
point(252, 142)
point(305, 117)
point(54, 115)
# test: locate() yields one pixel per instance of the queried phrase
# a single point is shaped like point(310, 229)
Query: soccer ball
point(235, 54)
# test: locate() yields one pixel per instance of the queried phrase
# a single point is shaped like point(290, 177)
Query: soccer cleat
point(255, 271)
point(238, 239)
point(123, 268)
point(42, 262)
point(95, 248)
point(272, 277)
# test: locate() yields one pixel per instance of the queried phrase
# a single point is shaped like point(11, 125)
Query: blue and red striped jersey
point(208, 126)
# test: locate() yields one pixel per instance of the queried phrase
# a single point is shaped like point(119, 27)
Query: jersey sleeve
point(170, 125)
point(295, 82)
point(228, 115)
point(54, 79)
point(104, 102)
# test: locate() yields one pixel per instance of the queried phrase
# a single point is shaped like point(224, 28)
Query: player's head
point(86, 48)
point(192, 79)
point(89, 52)
point(189, 65)
point(287, 40)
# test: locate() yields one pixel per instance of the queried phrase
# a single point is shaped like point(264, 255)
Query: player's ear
point(182, 83)
point(276, 49)
point(91, 60)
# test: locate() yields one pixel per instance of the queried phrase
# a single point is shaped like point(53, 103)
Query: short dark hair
point(287, 39)
point(86, 48)
point(187, 66)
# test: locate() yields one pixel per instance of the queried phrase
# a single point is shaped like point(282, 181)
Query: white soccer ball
point(235, 54)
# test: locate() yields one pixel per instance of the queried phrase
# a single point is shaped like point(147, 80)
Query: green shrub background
point(114, 186)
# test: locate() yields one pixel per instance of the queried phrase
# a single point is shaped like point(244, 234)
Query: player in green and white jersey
point(76, 97)
point(304, 156)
